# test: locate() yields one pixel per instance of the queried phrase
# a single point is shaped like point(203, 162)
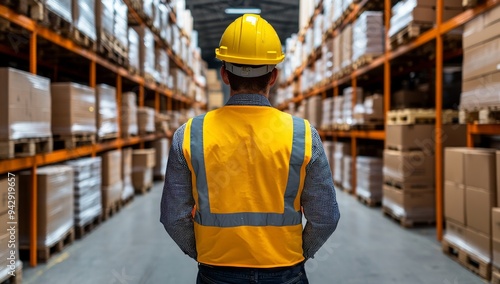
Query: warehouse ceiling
point(210, 20)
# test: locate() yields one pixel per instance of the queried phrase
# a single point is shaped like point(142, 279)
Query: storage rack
point(173, 101)
point(440, 30)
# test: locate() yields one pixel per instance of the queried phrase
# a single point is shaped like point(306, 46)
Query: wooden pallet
point(485, 115)
point(108, 136)
point(112, 49)
point(112, 210)
point(399, 185)
point(144, 189)
point(127, 201)
point(420, 116)
point(85, 229)
point(25, 147)
point(369, 201)
point(408, 33)
point(73, 141)
point(468, 260)
point(6, 277)
point(149, 79)
point(45, 253)
point(84, 40)
point(364, 60)
point(407, 222)
point(495, 275)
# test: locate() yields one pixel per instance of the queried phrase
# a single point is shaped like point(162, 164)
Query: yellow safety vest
point(248, 165)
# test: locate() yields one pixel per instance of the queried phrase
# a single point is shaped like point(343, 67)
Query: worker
point(249, 171)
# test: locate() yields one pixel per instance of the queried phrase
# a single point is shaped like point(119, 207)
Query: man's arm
point(177, 200)
point(318, 200)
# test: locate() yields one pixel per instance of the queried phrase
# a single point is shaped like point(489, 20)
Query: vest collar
point(249, 100)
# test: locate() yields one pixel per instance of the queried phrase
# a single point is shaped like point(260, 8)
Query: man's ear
point(223, 75)
point(274, 77)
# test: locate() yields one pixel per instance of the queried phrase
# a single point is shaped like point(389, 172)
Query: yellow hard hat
point(250, 40)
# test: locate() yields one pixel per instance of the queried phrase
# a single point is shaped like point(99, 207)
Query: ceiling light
point(240, 11)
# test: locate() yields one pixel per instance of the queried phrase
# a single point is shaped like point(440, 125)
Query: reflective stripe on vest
point(204, 217)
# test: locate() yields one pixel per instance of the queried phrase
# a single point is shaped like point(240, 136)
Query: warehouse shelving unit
point(173, 100)
point(437, 34)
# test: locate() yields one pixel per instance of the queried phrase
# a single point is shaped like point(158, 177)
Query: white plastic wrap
point(347, 173)
point(120, 22)
point(104, 17)
point(337, 53)
point(55, 205)
point(162, 65)
point(128, 188)
point(369, 178)
point(326, 121)
point(62, 8)
point(146, 50)
point(347, 47)
point(87, 190)
point(133, 49)
point(164, 22)
point(129, 114)
point(147, 7)
point(146, 119)
point(337, 9)
point(161, 151)
point(368, 35)
point(107, 112)
point(25, 104)
point(84, 17)
point(73, 109)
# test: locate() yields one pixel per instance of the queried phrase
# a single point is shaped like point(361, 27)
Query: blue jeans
point(235, 275)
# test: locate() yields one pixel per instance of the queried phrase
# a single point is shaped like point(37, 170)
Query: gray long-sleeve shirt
point(318, 196)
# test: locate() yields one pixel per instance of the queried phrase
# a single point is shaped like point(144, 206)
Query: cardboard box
point(481, 59)
point(455, 233)
point(73, 109)
point(25, 105)
point(107, 110)
point(142, 179)
point(492, 16)
point(161, 147)
point(478, 204)
point(454, 202)
point(410, 203)
point(495, 223)
point(480, 169)
point(143, 159)
point(498, 176)
point(55, 211)
point(421, 136)
point(414, 166)
point(481, 36)
point(454, 164)
point(496, 253)
point(479, 244)
point(111, 194)
point(111, 167)
point(146, 120)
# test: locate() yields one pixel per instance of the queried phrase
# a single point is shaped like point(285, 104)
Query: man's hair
point(254, 84)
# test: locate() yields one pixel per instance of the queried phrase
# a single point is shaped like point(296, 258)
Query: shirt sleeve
point(177, 200)
point(318, 200)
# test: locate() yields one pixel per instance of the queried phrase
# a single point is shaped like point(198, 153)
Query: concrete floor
point(132, 247)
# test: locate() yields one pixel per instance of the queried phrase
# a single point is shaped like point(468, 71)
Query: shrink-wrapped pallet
point(133, 49)
point(120, 22)
point(368, 35)
point(146, 120)
point(62, 8)
point(84, 17)
point(146, 51)
point(129, 125)
point(107, 112)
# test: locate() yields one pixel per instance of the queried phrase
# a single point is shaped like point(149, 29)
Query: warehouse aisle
point(133, 247)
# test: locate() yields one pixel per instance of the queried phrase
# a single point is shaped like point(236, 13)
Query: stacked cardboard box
point(327, 114)
point(346, 42)
point(408, 191)
point(347, 107)
point(25, 104)
point(313, 110)
point(128, 188)
point(55, 205)
point(146, 52)
point(337, 53)
point(347, 173)
point(480, 74)
point(112, 185)
point(338, 103)
point(107, 111)
point(73, 109)
point(120, 22)
point(368, 35)
point(9, 247)
point(63, 9)
point(341, 149)
point(129, 115)
point(161, 147)
point(369, 178)
point(370, 112)
point(87, 189)
point(84, 17)
point(104, 23)
point(420, 12)
point(133, 50)
point(470, 195)
point(146, 120)
point(143, 162)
